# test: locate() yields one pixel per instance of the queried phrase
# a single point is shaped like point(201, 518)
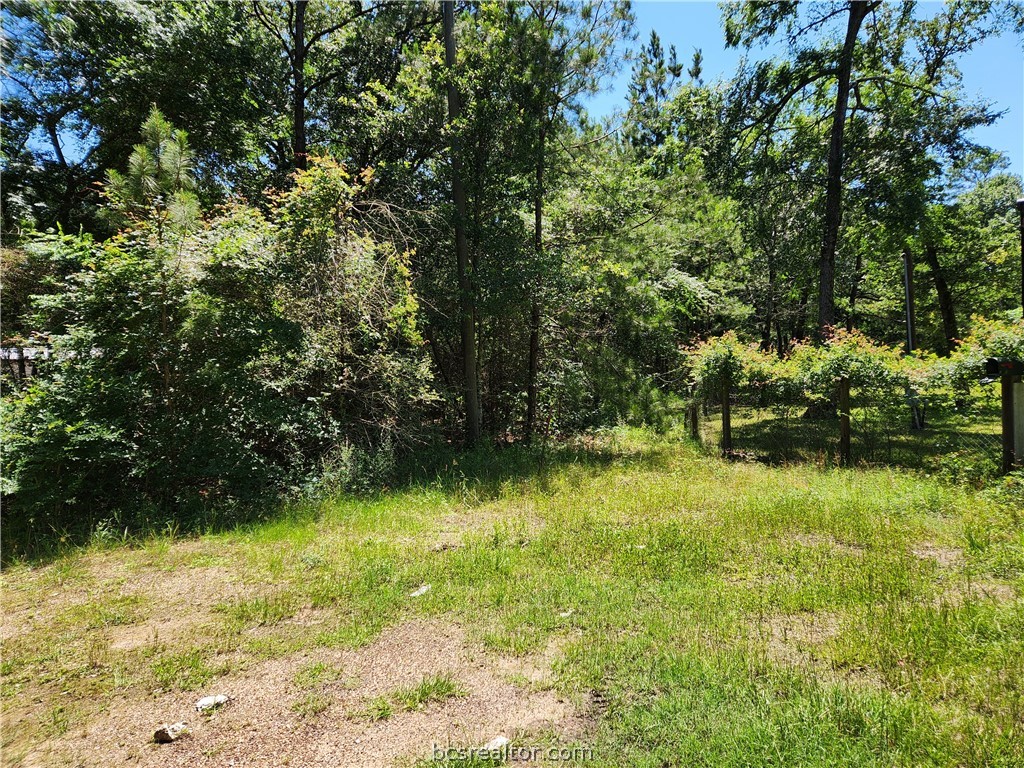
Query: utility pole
point(1020, 212)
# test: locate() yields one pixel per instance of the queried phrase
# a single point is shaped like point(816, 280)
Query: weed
point(312, 704)
point(432, 688)
point(378, 709)
point(316, 673)
point(182, 671)
point(259, 611)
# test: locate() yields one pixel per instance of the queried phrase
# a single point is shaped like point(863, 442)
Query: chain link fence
point(957, 436)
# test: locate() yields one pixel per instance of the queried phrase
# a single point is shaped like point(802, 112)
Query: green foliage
point(158, 183)
point(198, 371)
point(432, 688)
point(877, 371)
point(361, 359)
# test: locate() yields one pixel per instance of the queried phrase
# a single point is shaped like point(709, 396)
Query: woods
point(280, 246)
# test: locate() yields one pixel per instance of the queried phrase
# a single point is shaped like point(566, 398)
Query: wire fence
point(955, 436)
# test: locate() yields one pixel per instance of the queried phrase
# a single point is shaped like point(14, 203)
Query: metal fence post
point(844, 421)
point(1006, 386)
point(1018, 419)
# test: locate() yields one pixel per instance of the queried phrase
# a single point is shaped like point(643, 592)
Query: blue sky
point(994, 70)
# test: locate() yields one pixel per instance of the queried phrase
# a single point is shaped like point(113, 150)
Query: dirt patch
point(948, 558)
point(818, 541)
point(793, 639)
point(796, 640)
point(261, 728)
point(161, 631)
point(964, 591)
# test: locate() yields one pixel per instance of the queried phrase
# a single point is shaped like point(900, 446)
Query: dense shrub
point(810, 372)
point(200, 367)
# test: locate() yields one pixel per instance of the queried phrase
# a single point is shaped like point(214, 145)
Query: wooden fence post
point(726, 416)
point(844, 421)
point(694, 414)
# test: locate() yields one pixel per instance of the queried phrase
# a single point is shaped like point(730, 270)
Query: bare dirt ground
point(503, 696)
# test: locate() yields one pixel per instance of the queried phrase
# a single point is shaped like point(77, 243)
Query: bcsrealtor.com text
point(509, 753)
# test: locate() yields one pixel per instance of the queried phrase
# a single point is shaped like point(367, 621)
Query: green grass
point(316, 674)
point(380, 708)
point(259, 611)
point(725, 614)
point(182, 671)
point(431, 689)
point(964, 445)
point(311, 704)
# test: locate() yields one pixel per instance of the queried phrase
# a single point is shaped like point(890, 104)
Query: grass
point(380, 708)
point(185, 671)
point(724, 614)
point(311, 704)
point(964, 445)
point(431, 689)
point(316, 674)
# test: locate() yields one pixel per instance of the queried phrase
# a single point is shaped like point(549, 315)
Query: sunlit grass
point(728, 614)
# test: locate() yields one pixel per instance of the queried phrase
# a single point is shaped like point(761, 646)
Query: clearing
point(637, 603)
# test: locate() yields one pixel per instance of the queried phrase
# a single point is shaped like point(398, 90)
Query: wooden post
point(844, 421)
point(726, 417)
point(1006, 383)
point(694, 414)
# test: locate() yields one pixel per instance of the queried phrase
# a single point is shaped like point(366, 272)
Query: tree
point(307, 50)
point(466, 300)
point(575, 54)
point(897, 76)
point(79, 79)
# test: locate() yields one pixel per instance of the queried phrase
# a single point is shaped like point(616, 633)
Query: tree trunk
point(538, 249)
point(908, 293)
point(834, 185)
point(769, 308)
point(946, 309)
point(466, 302)
point(299, 95)
point(851, 319)
point(800, 319)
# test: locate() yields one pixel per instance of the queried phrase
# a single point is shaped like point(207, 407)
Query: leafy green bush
point(199, 367)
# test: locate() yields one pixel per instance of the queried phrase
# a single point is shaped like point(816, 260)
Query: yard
point(633, 603)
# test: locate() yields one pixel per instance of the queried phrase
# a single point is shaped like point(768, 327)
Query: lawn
point(633, 603)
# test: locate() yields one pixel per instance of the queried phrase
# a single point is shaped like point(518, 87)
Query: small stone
point(165, 734)
point(497, 744)
point(421, 591)
point(208, 703)
point(567, 614)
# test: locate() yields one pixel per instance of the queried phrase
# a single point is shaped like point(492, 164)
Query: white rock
point(212, 702)
point(497, 743)
point(567, 614)
point(165, 734)
point(421, 591)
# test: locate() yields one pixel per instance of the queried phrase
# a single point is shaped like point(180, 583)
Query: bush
point(200, 368)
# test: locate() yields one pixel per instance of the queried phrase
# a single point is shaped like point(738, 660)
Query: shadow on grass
point(960, 447)
point(482, 473)
point(489, 468)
